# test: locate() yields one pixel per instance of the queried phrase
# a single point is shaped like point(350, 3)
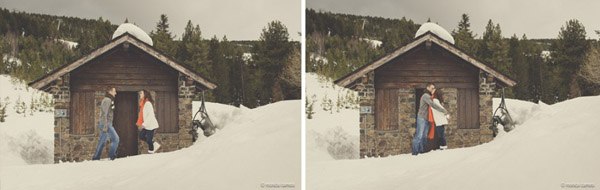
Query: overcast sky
point(535, 18)
point(238, 19)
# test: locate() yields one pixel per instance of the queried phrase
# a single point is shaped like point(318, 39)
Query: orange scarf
point(141, 114)
point(432, 122)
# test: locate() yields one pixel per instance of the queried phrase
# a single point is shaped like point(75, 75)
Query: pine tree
point(590, 71)
point(163, 40)
point(568, 54)
point(271, 52)
point(494, 50)
point(464, 37)
point(520, 67)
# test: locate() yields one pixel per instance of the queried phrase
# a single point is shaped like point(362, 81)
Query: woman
point(147, 121)
point(440, 120)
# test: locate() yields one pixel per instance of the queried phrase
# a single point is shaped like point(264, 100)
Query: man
point(419, 139)
point(106, 126)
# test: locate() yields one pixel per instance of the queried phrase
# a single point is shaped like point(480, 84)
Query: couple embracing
point(146, 123)
point(431, 119)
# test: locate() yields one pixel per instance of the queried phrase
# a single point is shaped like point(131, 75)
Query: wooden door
point(125, 116)
point(468, 108)
point(386, 109)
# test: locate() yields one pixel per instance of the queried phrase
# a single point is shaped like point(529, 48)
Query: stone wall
point(378, 143)
point(366, 92)
point(487, 88)
point(70, 147)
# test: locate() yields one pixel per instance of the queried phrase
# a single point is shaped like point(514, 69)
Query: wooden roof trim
point(126, 37)
point(353, 76)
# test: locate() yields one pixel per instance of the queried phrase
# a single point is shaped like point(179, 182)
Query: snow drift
point(552, 146)
point(436, 29)
point(133, 30)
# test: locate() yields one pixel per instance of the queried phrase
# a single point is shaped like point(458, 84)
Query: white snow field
point(252, 148)
point(133, 30)
point(436, 29)
point(552, 146)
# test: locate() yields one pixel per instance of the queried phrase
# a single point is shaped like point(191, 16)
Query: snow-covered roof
point(436, 29)
point(133, 30)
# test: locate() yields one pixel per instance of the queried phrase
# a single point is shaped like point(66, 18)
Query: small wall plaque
point(60, 112)
point(366, 109)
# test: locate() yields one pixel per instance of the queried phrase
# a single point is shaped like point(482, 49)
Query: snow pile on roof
point(133, 30)
point(436, 29)
point(541, 147)
point(240, 155)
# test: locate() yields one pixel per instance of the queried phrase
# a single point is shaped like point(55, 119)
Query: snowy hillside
point(253, 147)
point(551, 146)
point(332, 131)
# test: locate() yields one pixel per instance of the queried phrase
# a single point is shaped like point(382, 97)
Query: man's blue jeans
point(419, 140)
point(114, 142)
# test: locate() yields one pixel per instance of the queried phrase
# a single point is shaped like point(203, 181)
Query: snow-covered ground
point(253, 148)
point(333, 130)
point(552, 146)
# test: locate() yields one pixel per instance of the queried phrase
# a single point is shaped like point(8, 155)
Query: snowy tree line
point(550, 70)
point(32, 45)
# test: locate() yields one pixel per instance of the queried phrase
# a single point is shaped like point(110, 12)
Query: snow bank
point(133, 30)
point(550, 146)
point(436, 29)
point(332, 132)
point(26, 135)
point(253, 147)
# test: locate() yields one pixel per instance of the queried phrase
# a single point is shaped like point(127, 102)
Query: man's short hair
point(429, 84)
point(108, 89)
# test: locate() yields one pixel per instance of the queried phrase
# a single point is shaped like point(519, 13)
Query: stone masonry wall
point(70, 147)
point(366, 92)
point(378, 143)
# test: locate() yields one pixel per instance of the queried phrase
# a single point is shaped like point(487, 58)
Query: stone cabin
point(129, 65)
point(390, 87)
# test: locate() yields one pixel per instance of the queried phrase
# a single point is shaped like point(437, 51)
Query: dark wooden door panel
point(386, 109)
point(468, 108)
point(126, 111)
